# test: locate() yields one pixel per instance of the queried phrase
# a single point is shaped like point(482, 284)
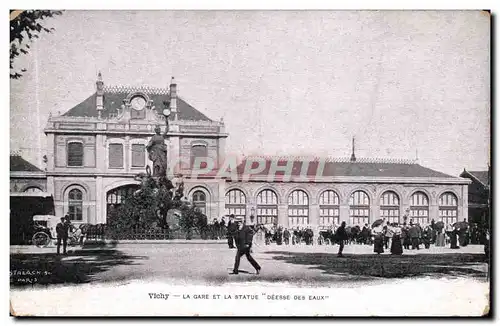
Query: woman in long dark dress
point(453, 239)
point(396, 246)
point(406, 237)
point(426, 237)
point(378, 243)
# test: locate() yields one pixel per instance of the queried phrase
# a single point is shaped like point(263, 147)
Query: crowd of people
point(384, 236)
point(218, 229)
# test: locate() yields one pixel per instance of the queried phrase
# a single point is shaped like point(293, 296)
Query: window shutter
point(75, 154)
point(138, 155)
point(115, 155)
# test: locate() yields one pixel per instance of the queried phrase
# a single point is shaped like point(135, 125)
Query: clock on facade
point(138, 103)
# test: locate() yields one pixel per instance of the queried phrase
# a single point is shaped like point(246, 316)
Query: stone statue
point(157, 152)
point(179, 192)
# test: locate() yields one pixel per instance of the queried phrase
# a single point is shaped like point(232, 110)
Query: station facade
point(96, 149)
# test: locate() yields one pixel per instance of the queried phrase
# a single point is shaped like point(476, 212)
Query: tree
point(25, 25)
point(148, 208)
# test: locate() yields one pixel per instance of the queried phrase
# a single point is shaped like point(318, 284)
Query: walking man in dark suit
point(62, 229)
point(341, 237)
point(243, 238)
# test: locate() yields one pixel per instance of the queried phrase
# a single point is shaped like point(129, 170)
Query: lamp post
point(166, 113)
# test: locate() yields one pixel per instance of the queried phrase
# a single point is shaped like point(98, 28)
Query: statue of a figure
point(179, 192)
point(157, 152)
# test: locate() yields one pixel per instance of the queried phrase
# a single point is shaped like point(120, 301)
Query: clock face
point(138, 103)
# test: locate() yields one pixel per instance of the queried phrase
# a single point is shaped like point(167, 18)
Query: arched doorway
point(200, 201)
point(116, 197)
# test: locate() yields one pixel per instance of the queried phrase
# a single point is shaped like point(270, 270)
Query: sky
point(403, 83)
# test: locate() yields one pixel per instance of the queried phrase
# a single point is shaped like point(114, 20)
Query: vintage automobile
point(45, 231)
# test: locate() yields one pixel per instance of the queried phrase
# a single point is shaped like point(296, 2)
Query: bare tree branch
point(24, 27)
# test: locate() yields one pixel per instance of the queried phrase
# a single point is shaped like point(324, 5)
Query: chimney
point(173, 97)
point(99, 95)
point(353, 156)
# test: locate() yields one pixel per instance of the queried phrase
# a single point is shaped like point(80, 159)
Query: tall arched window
point(419, 208)
point(267, 207)
point(236, 203)
point(329, 208)
point(359, 208)
point(298, 208)
point(389, 207)
point(75, 205)
point(448, 208)
point(200, 201)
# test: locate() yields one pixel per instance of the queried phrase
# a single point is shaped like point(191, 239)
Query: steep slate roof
point(346, 168)
point(482, 176)
point(17, 163)
point(113, 101)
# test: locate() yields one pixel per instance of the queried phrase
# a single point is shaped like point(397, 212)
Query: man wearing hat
point(243, 238)
point(62, 229)
point(232, 227)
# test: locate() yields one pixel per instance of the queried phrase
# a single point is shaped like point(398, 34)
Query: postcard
point(250, 163)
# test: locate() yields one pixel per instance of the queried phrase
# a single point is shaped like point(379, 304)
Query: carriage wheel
point(41, 239)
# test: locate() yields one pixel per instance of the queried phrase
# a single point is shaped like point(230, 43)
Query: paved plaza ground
point(208, 263)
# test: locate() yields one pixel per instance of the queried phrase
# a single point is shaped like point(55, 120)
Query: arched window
point(75, 205)
point(75, 153)
point(419, 208)
point(389, 207)
point(359, 208)
point(200, 201)
point(329, 208)
point(267, 207)
point(33, 189)
point(298, 208)
point(236, 203)
point(448, 208)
